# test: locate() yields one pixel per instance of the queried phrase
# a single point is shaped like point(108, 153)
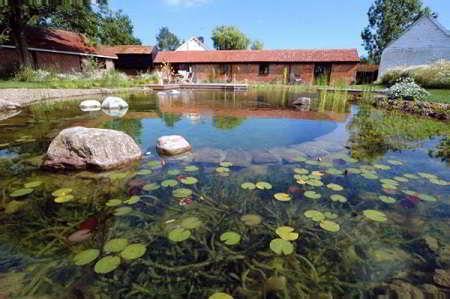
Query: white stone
point(90, 105)
point(114, 103)
point(174, 92)
point(117, 113)
point(7, 105)
point(173, 145)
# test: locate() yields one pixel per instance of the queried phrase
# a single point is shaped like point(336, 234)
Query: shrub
point(407, 89)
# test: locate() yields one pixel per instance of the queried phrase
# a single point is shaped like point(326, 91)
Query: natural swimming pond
point(326, 200)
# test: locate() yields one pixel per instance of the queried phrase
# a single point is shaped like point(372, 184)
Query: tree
point(116, 29)
point(229, 38)
point(387, 20)
point(166, 40)
point(257, 45)
point(21, 13)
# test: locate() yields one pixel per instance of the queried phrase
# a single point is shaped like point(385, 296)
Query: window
point(264, 69)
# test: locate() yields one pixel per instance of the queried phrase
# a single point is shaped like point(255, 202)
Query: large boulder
point(6, 105)
point(209, 155)
point(90, 105)
point(114, 103)
point(85, 148)
point(172, 145)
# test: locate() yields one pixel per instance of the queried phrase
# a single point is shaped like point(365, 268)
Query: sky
point(280, 24)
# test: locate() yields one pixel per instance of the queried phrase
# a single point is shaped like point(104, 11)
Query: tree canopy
point(257, 45)
point(166, 40)
point(387, 20)
point(229, 38)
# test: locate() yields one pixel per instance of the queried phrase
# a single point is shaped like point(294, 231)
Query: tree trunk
point(17, 24)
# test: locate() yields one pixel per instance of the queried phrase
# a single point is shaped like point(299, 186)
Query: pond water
point(329, 200)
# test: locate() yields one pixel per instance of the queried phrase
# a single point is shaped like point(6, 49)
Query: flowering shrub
point(407, 89)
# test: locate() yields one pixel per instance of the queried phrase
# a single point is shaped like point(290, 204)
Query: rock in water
point(6, 105)
point(85, 148)
point(90, 105)
point(114, 103)
point(173, 145)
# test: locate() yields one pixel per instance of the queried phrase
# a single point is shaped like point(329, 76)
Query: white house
point(193, 44)
point(424, 42)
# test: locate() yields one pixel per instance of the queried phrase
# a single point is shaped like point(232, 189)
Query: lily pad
point(314, 215)
point(189, 180)
point(427, 175)
point(64, 198)
point(375, 215)
point(114, 202)
point(230, 238)
point(330, 215)
point(389, 186)
point(220, 295)
point(439, 182)
point(387, 199)
point(427, 197)
point(173, 172)
point(191, 223)
point(133, 251)
point(118, 175)
point(282, 197)
point(222, 170)
point(411, 176)
point(107, 264)
point(115, 245)
point(338, 198)
point(154, 164)
point(144, 172)
point(395, 162)
point(312, 195)
point(21, 192)
point(248, 186)
point(226, 164)
point(330, 226)
point(191, 168)
point(382, 166)
point(301, 171)
point(122, 211)
point(335, 187)
point(401, 179)
point(132, 200)
point(86, 257)
point(251, 219)
point(62, 192)
point(334, 171)
point(314, 183)
point(31, 185)
point(286, 233)
point(263, 186)
point(370, 175)
point(300, 159)
point(281, 247)
point(169, 183)
point(312, 162)
point(14, 206)
point(151, 187)
point(354, 170)
point(389, 181)
point(182, 193)
point(179, 234)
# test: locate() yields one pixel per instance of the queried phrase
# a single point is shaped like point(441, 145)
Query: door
point(322, 73)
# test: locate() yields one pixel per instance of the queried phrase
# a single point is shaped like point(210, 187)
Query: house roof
point(195, 40)
point(125, 49)
point(236, 56)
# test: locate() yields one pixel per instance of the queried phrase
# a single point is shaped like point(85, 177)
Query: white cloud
point(186, 2)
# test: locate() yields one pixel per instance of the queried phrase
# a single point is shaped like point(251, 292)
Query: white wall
point(191, 45)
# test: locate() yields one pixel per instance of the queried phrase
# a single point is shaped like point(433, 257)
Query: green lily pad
point(427, 175)
point(301, 171)
point(314, 215)
point(375, 215)
point(263, 186)
point(222, 170)
point(409, 192)
point(191, 168)
point(330, 226)
point(115, 245)
point(330, 215)
point(370, 175)
point(21, 192)
point(144, 172)
point(133, 251)
point(220, 295)
point(189, 181)
point(114, 203)
point(334, 171)
point(64, 198)
point(182, 193)
point(86, 257)
point(335, 187)
point(401, 179)
point(354, 170)
point(338, 198)
point(173, 172)
point(118, 176)
point(107, 264)
point(248, 186)
point(154, 164)
point(14, 206)
point(282, 197)
point(132, 200)
point(191, 223)
point(312, 162)
point(300, 159)
point(122, 211)
point(411, 176)
point(230, 238)
point(287, 233)
point(281, 247)
point(389, 181)
point(395, 162)
point(169, 183)
point(151, 187)
point(314, 183)
point(179, 234)
point(382, 167)
point(427, 197)
point(62, 192)
point(226, 164)
point(251, 219)
point(389, 186)
point(312, 195)
point(31, 185)
point(387, 199)
point(439, 182)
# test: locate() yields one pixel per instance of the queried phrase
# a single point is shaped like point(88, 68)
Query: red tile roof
point(125, 49)
point(236, 56)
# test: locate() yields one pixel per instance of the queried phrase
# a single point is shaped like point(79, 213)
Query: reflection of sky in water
point(251, 133)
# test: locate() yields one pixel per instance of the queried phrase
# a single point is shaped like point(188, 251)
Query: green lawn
point(439, 95)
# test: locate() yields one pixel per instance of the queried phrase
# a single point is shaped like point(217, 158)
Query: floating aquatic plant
point(338, 198)
point(282, 197)
point(314, 215)
point(299, 159)
point(132, 200)
point(220, 295)
point(314, 183)
point(251, 219)
point(230, 238)
point(191, 223)
point(169, 183)
point(439, 182)
point(179, 234)
point(133, 251)
point(401, 179)
point(114, 202)
point(334, 171)
point(118, 176)
point(389, 181)
point(182, 193)
point(144, 172)
point(107, 264)
point(248, 186)
point(226, 164)
point(426, 197)
point(151, 187)
point(191, 168)
point(86, 257)
point(263, 186)
point(154, 164)
point(369, 175)
point(335, 187)
point(287, 233)
point(173, 172)
point(222, 170)
point(64, 198)
point(330, 215)
point(122, 211)
point(411, 176)
point(21, 192)
point(115, 245)
point(389, 186)
point(387, 199)
point(427, 175)
point(395, 162)
point(382, 166)
point(14, 206)
point(330, 226)
point(62, 192)
point(301, 171)
point(189, 180)
point(31, 185)
point(375, 215)
point(312, 195)
point(281, 247)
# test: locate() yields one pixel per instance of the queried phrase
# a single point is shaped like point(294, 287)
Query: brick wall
point(342, 72)
point(9, 61)
point(58, 62)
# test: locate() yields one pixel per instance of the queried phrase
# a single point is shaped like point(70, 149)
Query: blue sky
point(282, 24)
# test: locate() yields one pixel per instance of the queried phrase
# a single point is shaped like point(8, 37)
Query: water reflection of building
point(195, 118)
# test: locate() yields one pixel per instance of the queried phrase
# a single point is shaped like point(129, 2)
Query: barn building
point(131, 59)
point(424, 42)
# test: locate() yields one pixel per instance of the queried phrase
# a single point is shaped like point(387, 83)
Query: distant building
point(301, 66)
point(193, 44)
point(132, 59)
point(424, 42)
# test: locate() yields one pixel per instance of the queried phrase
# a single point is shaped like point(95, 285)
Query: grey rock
point(301, 101)
point(114, 103)
point(209, 155)
point(90, 105)
point(238, 158)
point(311, 149)
point(264, 157)
point(7, 105)
point(85, 148)
point(173, 145)
point(117, 113)
point(288, 155)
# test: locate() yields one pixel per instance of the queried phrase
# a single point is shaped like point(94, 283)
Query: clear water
point(386, 234)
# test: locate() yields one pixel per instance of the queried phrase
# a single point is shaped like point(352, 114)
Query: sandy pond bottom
point(275, 202)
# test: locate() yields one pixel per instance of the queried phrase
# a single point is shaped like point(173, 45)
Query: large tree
point(18, 14)
point(229, 38)
point(257, 45)
point(116, 29)
point(166, 40)
point(387, 20)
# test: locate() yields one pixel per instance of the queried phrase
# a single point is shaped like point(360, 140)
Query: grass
point(439, 96)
